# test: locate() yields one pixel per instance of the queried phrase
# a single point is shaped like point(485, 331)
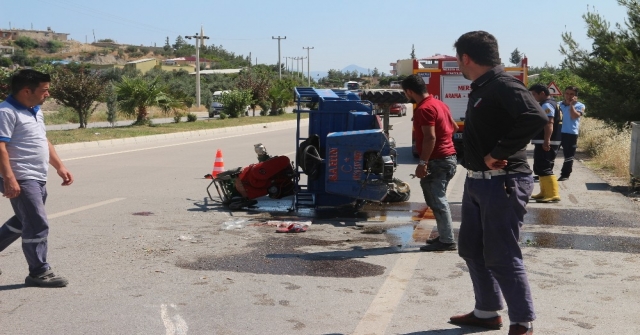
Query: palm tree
point(136, 95)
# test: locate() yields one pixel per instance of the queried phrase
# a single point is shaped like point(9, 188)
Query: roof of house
point(219, 71)
point(141, 60)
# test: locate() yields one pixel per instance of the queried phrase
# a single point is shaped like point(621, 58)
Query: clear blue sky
point(370, 34)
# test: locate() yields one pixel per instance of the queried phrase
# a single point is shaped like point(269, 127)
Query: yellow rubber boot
point(551, 189)
point(541, 194)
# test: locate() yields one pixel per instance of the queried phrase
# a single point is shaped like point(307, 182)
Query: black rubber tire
point(400, 193)
point(382, 96)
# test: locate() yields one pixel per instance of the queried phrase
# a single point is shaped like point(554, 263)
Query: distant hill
point(357, 68)
point(316, 75)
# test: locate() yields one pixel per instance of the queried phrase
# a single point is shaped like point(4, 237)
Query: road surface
point(145, 252)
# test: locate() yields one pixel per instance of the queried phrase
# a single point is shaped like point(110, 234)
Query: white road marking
point(174, 325)
point(84, 208)
point(162, 146)
point(384, 304)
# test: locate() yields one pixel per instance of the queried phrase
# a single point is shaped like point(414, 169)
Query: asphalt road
point(146, 253)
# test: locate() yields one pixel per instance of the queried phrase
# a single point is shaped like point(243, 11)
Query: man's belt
point(485, 174)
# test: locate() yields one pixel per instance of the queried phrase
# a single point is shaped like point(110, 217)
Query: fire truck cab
point(445, 82)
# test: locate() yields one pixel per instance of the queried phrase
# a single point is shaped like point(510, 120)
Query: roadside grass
point(98, 134)
point(608, 146)
point(66, 115)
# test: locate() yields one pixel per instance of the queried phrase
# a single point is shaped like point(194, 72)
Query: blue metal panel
point(345, 174)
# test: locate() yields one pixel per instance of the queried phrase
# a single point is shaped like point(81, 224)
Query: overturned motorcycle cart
point(345, 159)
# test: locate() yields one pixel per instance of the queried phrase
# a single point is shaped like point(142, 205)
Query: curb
point(179, 135)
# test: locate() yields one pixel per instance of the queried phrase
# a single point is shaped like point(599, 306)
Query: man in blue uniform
point(25, 154)
point(501, 118)
point(546, 144)
point(572, 111)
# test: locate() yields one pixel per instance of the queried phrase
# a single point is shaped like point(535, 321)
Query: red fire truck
point(445, 82)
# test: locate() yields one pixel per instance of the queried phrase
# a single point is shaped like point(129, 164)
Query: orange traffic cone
point(218, 164)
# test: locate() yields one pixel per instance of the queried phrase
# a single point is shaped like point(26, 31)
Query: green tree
point(256, 80)
point(516, 57)
point(112, 104)
point(79, 88)
point(136, 95)
point(612, 67)
point(235, 102)
point(5, 83)
point(167, 46)
point(180, 42)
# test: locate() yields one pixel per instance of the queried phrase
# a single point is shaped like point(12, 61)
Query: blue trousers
point(30, 223)
point(543, 161)
point(434, 188)
point(492, 214)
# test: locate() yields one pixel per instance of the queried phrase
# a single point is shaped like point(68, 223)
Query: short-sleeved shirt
point(569, 125)
point(435, 113)
point(24, 132)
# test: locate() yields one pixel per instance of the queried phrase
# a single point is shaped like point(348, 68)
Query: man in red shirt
point(434, 128)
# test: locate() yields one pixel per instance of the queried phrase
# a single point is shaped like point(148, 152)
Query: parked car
point(398, 109)
point(216, 106)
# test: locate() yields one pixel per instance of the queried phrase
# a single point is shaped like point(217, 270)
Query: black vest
point(557, 125)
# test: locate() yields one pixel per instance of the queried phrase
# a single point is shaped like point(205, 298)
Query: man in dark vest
point(546, 143)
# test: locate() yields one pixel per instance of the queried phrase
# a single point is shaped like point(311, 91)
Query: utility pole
point(297, 65)
point(286, 62)
point(198, 39)
point(302, 63)
point(279, 65)
point(308, 66)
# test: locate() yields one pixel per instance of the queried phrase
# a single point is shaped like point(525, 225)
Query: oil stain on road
point(280, 256)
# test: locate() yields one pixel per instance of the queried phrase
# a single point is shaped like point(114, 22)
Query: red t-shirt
point(433, 112)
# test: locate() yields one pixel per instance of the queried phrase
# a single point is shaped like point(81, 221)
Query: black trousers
point(569, 146)
point(543, 161)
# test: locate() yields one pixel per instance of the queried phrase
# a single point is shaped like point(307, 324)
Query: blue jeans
point(492, 213)
point(30, 223)
point(434, 188)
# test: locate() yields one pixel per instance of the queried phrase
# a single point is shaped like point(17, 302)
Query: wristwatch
point(422, 162)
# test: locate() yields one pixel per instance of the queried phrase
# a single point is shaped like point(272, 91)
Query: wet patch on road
point(579, 218)
point(581, 242)
point(279, 256)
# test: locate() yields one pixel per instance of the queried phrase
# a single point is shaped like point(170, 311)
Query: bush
point(106, 40)
point(192, 117)
point(26, 43)
point(130, 49)
point(145, 50)
point(264, 106)
point(606, 144)
point(5, 62)
point(223, 115)
point(177, 117)
point(54, 46)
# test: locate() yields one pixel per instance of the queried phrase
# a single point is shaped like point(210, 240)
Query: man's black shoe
point(563, 178)
point(46, 279)
point(439, 246)
point(433, 240)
